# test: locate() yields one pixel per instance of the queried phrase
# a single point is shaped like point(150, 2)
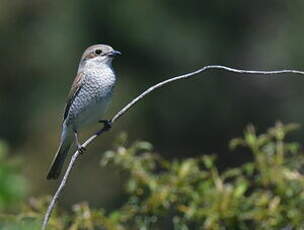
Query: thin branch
point(131, 104)
point(188, 75)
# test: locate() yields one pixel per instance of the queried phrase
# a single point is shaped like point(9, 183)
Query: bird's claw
point(107, 124)
point(81, 149)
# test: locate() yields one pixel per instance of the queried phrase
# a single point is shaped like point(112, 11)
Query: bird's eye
point(98, 52)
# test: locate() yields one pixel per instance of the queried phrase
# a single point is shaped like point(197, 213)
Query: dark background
point(42, 41)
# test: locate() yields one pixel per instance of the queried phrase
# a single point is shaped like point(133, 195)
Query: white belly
point(91, 112)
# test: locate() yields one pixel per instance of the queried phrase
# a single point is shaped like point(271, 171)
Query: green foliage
point(192, 193)
point(12, 183)
point(12, 187)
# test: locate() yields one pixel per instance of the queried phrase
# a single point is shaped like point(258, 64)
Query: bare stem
point(131, 104)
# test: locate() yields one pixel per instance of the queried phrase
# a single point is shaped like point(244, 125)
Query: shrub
point(191, 193)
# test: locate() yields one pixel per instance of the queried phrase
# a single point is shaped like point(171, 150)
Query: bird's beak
point(114, 53)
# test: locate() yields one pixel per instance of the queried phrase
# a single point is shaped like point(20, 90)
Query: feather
point(76, 86)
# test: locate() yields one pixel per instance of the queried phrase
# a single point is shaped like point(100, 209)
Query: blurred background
point(41, 44)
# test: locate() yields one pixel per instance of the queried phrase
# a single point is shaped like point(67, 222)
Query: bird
point(88, 99)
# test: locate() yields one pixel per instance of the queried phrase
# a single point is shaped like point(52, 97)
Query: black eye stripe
point(98, 52)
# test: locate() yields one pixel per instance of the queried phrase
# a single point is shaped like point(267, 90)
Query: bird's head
point(99, 54)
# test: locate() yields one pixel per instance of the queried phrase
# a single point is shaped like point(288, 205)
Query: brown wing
point(76, 86)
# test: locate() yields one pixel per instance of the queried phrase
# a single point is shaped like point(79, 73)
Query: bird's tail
point(62, 152)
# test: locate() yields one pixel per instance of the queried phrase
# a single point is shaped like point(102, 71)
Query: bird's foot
point(107, 124)
point(81, 149)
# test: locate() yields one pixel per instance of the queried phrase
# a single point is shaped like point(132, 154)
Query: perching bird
point(87, 101)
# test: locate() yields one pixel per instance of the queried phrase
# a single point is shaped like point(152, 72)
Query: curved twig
point(131, 104)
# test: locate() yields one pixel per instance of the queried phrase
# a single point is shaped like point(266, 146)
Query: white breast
point(93, 98)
